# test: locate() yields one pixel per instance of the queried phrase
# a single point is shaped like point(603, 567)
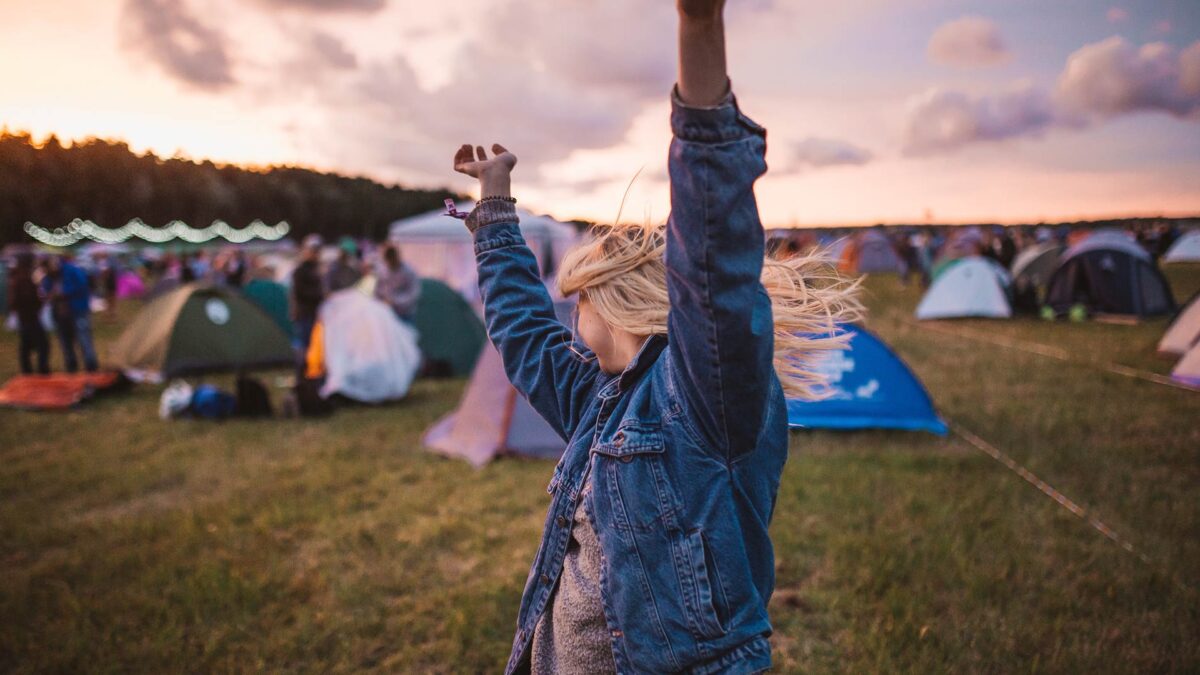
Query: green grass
point(135, 545)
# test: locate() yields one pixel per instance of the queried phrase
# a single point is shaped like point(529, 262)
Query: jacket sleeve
point(556, 376)
point(720, 327)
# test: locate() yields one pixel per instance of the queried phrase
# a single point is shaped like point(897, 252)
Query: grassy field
point(135, 545)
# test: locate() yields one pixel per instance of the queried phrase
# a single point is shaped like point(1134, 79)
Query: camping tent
point(974, 286)
point(493, 419)
point(369, 355)
point(1187, 371)
point(440, 247)
point(961, 242)
point(197, 329)
point(272, 298)
point(1031, 271)
point(1185, 249)
point(871, 389)
point(1183, 332)
point(1108, 275)
point(871, 252)
point(451, 334)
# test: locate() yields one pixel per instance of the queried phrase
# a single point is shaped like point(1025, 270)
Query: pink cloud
point(1116, 15)
point(969, 41)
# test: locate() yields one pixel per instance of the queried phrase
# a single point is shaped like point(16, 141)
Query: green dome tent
point(451, 334)
point(272, 298)
point(198, 329)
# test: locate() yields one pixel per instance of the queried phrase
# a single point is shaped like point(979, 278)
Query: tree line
point(104, 181)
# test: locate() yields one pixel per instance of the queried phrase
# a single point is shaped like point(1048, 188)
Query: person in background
point(398, 284)
point(1003, 247)
point(307, 293)
point(234, 269)
point(67, 288)
point(346, 270)
point(26, 303)
point(200, 266)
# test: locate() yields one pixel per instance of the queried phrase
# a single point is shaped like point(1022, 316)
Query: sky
point(877, 110)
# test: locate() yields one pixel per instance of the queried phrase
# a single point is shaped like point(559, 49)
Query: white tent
point(1185, 249)
point(1183, 332)
point(973, 286)
point(370, 355)
point(440, 247)
point(1187, 371)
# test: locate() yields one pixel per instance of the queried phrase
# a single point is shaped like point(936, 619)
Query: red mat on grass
point(54, 392)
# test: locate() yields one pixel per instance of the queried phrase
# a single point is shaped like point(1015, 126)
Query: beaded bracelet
point(497, 198)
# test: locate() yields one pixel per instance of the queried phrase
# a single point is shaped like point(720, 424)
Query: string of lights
point(78, 230)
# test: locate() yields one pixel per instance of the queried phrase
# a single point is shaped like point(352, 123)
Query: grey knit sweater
point(572, 636)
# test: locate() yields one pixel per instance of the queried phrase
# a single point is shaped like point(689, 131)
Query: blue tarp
point(872, 389)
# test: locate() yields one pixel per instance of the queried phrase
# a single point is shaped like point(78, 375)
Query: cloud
point(1101, 81)
point(944, 120)
point(168, 33)
point(819, 153)
point(566, 85)
point(329, 5)
point(1112, 77)
point(971, 41)
point(332, 52)
point(1116, 15)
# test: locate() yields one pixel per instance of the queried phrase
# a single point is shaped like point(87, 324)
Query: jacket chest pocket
point(636, 486)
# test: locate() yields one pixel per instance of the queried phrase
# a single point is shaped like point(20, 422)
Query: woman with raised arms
point(670, 393)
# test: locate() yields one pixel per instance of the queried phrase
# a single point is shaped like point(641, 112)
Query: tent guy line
point(1052, 352)
point(1062, 500)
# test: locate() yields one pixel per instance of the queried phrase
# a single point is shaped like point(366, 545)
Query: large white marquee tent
point(438, 246)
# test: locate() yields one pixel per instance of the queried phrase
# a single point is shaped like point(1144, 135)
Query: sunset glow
point(878, 111)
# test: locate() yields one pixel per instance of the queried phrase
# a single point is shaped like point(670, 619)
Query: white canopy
point(438, 246)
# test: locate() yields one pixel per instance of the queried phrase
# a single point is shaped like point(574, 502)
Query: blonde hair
point(622, 272)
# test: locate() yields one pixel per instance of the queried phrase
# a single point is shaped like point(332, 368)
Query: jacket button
point(562, 522)
point(627, 459)
point(545, 580)
point(617, 633)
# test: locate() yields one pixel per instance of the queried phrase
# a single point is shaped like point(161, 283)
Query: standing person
point(26, 302)
point(70, 296)
point(345, 271)
point(655, 555)
point(307, 293)
point(398, 284)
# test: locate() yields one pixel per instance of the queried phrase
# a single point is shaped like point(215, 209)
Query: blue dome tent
point(872, 389)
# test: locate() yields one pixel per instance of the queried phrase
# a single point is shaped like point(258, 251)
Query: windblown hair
point(621, 271)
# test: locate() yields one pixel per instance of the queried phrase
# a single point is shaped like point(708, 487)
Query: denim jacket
point(685, 447)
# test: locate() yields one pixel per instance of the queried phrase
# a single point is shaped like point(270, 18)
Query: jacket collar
point(646, 357)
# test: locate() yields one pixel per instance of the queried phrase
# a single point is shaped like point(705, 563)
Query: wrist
point(495, 184)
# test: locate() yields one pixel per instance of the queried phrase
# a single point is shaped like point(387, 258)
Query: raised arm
point(720, 326)
point(536, 348)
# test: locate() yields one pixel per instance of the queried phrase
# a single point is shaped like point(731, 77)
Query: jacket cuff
point(490, 212)
point(498, 235)
point(721, 123)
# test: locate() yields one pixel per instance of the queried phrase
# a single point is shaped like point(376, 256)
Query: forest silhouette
point(49, 184)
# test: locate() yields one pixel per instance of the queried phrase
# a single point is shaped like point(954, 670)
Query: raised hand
point(495, 174)
point(473, 161)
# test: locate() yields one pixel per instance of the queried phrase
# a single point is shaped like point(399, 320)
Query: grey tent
point(1031, 271)
point(876, 254)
